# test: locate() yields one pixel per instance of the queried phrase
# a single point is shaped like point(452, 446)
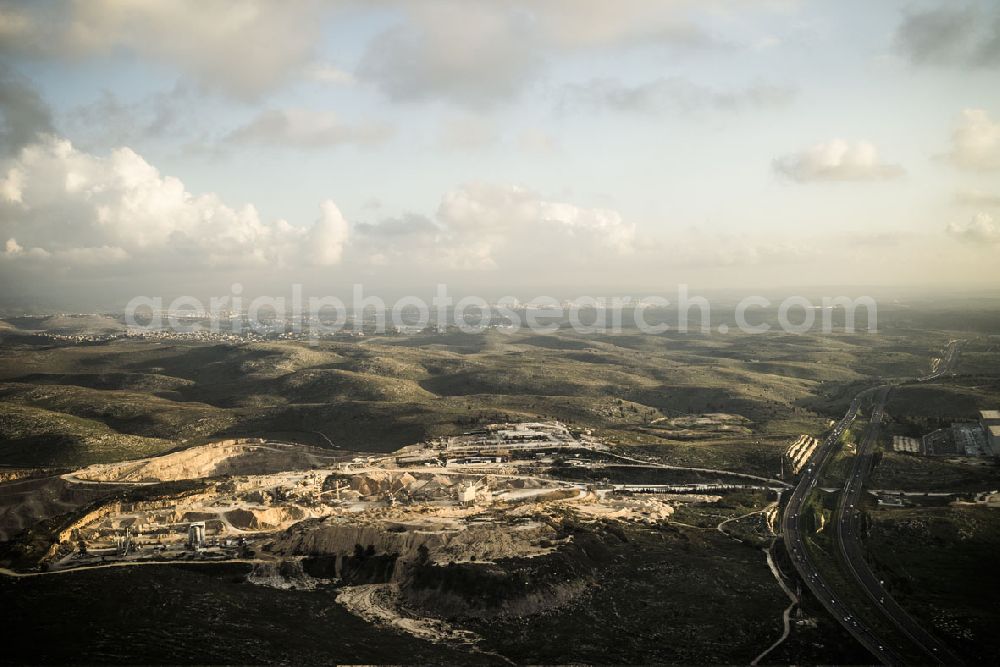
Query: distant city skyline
point(561, 147)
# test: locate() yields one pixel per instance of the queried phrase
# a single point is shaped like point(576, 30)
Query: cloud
point(980, 230)
point(63, 210)
point(596, 23)
point(74, 210)
point(957, 36)
point(977, 198)
point(331, 74)
point(477, 53)
point(975, 143)
point(304, 129)
point(80, 258)
point(408, 240)
point(408, 226)
point(492, 220)
point(110, 121)
point(242, 48)
point(23, 114)
point(836, 160)
point(326, 239)
point(472, 133)
point(481, 226)
point(672, 94)
point(474, 54)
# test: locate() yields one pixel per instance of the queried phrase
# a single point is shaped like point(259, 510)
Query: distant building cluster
point(989, 420)
point(971, 439)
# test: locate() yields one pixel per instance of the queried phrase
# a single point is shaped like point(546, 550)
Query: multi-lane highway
point(831, 599)
point(848, 530)
point(947, 362)
point(888, 650)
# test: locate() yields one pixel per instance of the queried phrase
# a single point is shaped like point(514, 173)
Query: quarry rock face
point(227, 457)
point(263, 519)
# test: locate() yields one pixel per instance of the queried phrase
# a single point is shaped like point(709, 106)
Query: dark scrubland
point(681, 592)
point(934, 561)
point(71, 404)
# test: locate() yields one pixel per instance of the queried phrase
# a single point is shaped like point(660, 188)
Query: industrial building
point(990, 421)
point(196, 534)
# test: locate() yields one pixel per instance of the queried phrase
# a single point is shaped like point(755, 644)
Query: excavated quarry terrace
point(390, 529)
point(440, 502)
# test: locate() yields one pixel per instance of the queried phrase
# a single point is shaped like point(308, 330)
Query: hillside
point(72, 404)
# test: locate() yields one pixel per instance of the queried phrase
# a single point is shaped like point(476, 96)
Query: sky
point(572, 147)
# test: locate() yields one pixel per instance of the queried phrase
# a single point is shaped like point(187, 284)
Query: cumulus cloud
point(326, 239)
point(481, 226)
point(65, 209)
point(975, 143)
point(671, 94)
point(836, 160)
point(62, 205)
point(493, 210)
point(981, 229)
point(301, 128)
point(242, 48)
point(961, 36)
point(23, 113)
point(490, 222)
